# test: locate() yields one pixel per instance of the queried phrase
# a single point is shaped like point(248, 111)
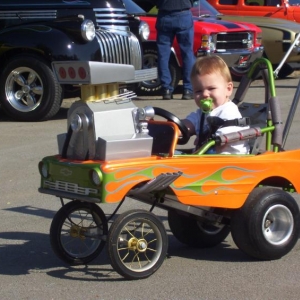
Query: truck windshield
point(202, 8)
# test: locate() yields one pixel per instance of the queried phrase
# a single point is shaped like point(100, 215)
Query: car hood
point(212, 24)
point(51, 4)
point(264, 22)
point(225, 25)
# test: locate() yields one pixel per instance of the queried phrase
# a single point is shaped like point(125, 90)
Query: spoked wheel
point(78, 232)
point(137, 244)
point(194, 233)
point(267, 225)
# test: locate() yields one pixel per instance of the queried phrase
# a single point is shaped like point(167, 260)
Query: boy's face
point(212, 86)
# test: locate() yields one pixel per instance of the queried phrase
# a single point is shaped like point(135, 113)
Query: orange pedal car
point(103, 161)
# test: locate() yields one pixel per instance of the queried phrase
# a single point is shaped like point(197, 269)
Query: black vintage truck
point(35, 33)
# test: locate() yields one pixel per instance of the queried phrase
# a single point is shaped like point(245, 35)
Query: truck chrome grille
point(117, 44)
point(112, 18)
point(69, 187)
point(236, 40)
point(119, 48)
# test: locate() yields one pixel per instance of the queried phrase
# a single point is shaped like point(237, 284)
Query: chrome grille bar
point(69, 187)
point(107, 17)
point(119, 48)
point(28, 14)
point(234, 41)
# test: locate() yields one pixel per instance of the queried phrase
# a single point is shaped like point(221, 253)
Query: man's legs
point(185, 38)
point(165, 37)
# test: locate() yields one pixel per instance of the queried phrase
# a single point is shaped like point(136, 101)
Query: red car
point(238, 43)
point(282, 9)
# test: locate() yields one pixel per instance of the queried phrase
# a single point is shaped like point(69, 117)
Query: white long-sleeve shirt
point(227, 111)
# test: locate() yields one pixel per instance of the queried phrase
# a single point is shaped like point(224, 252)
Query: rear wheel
point(267, 225)
point(195, 233)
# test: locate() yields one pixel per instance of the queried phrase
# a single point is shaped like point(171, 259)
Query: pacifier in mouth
point(206, 105)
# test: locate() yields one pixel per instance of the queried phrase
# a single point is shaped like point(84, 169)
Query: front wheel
point(195, 233)
point(137, 244)
point(78, 232)
point(266, 227)
point(29, 90)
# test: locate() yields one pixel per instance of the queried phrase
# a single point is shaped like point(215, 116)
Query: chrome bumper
point(238, 58)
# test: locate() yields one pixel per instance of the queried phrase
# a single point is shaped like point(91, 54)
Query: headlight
point(43, 169)
point(144, 31)
point(259, 39)
point(96, 178)
point(207, 43)
point(88, 31)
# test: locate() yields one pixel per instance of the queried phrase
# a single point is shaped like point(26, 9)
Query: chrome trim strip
point(28, 14)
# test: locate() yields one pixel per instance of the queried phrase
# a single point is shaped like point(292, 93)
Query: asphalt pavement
point(30, 270)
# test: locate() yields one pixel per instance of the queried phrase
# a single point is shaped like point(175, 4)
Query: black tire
point(137, 244)
point(285, 71)
point(238, 72)
point(78, 232)
point(153, 87)
point(194, 233)
point(266, 227)
point(31, 95)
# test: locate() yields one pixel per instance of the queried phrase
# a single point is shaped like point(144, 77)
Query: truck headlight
point(43, 168)
point(207, 43)
point(88, 31)
point(144, 31)
point(259, 39)
point(96, 178)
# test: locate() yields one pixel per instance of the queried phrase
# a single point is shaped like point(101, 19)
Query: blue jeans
point(178, 24)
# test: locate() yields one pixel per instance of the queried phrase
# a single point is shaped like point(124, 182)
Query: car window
point(294, 2)
point(273, 2)
point(255, 2)
point(228, 2)
point(203, 8)
point(133, 8)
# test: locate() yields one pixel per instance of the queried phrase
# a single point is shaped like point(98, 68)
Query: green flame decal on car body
point(126, 178)
point(217, 178)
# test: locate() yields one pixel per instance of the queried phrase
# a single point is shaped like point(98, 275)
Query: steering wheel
point(184, 138)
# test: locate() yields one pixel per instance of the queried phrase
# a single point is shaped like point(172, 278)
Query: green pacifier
point(206, 105)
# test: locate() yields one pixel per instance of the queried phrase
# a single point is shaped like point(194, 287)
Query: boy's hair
point(211, 64)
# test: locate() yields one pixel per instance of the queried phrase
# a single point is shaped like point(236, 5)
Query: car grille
point(237, 40)
point(117, 43)
point(120, 49)
point(69, 187)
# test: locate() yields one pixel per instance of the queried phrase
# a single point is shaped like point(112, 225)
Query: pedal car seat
point(165, 136)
